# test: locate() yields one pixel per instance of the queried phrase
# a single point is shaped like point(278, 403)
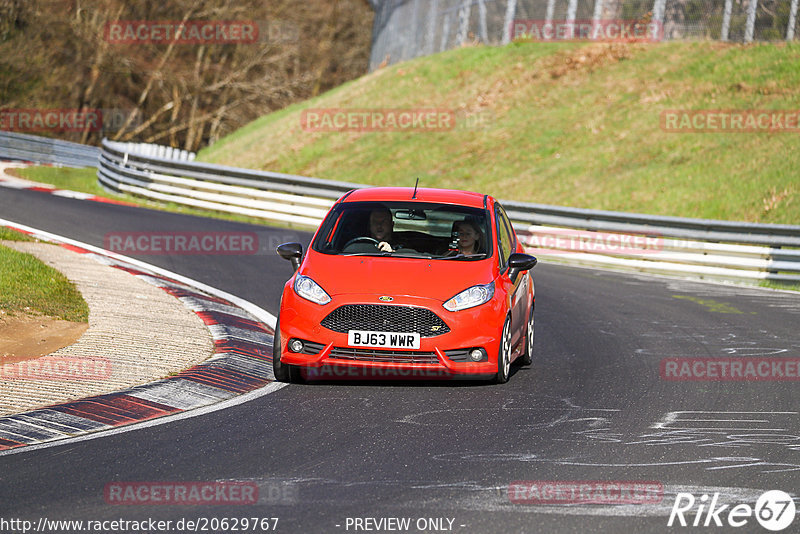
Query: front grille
point(384, 318)
point(377, 355)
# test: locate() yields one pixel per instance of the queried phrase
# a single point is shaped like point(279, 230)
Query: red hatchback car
point(416, 282)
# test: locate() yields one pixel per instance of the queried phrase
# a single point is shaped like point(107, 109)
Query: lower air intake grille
point(377, 355)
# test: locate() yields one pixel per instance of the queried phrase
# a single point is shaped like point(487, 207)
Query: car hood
point(437, 279)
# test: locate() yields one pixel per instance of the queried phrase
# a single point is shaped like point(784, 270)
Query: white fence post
point(658, 11)
point(409, 48)
point(658, 17)
point(792, 21)
point(726, 20)
point(482, 22)
point(598, 10)
point(445, 32)
point(433, 13)
point(751, 21)
point(551, 7)
point(511, 11)
point(572, 8)
point(463, 21)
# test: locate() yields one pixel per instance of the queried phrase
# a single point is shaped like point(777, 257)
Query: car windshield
point(405, 229)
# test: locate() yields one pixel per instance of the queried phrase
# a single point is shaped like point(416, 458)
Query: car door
point(516, 290)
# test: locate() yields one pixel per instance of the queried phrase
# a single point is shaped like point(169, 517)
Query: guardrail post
point(772, 257)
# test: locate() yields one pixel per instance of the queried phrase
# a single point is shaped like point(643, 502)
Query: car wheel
point(504, 354)
point(527, 356)
point(283, 372)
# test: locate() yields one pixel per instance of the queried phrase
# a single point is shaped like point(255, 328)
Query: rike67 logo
point(774, 510)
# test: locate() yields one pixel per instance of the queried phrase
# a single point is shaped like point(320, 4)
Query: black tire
point(283, 372)
point(527, 355)
point(504, 354)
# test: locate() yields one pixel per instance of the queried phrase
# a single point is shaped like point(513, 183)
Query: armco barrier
point(267, 195)
point(674, 245)
point(671, 245)
point(38, 149)
point(160, 151)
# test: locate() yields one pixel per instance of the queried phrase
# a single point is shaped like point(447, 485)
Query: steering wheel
point(362, 239)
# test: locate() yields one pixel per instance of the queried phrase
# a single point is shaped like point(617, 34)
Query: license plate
point(384, 340)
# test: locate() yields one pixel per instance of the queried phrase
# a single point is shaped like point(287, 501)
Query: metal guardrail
point(158, 151)
point(267, 195)
point(672, 245)
point(37, 149)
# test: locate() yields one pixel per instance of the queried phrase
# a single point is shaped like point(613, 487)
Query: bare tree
point(56, 54)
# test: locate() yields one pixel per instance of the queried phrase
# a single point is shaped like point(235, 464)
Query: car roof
point(424, 194)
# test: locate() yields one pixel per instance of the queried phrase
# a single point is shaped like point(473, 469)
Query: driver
point(381, 228)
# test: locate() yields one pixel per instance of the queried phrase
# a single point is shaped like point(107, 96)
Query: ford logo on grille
point(385, 298)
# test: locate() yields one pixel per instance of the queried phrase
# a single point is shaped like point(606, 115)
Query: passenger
point(470, 237)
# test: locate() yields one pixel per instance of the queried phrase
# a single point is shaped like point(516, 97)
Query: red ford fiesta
point(408, 283)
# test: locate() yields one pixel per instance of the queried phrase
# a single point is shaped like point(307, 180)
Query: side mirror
point(518, 263)
point(292, 252)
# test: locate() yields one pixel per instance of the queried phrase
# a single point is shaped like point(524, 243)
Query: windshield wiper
point(366, 254)
point(392, 254)
point(420, 256)
point(462, 256)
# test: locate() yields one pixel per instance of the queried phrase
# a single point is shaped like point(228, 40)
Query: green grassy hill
point(561, 123)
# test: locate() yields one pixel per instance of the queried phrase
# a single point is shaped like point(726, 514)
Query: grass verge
point(29, 286)
point(787, 286)
point(7, 234)
point(570, 124)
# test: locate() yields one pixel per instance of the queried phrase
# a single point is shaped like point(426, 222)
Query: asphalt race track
point(592, 407)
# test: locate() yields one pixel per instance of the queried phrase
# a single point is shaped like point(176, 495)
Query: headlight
point(473, 296)
point(310, 290)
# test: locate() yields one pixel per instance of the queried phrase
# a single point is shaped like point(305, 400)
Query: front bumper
point(437, 356)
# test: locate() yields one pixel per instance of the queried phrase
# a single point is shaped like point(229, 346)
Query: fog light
point(295, 345)
point(476, 355)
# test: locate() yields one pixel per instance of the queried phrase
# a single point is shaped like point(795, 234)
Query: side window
point(510, 228)
point(505, 238)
